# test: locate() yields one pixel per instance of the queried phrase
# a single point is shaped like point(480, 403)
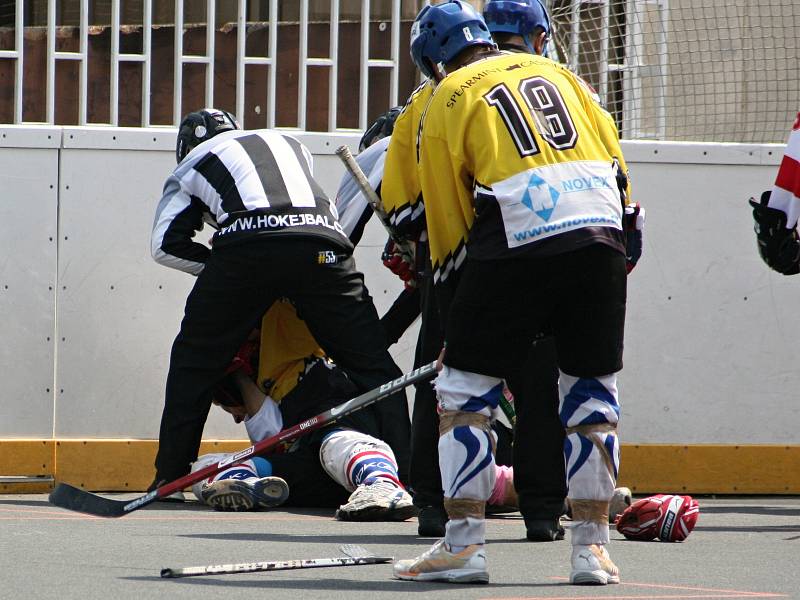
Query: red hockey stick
point(72, 498)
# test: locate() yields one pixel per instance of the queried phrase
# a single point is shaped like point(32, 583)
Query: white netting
point(700, 70)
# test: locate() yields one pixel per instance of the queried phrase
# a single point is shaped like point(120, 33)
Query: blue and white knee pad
point(589, 411)
point(352, 458)
point(467, 404)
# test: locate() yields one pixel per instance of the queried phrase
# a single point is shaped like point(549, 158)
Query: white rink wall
point(89, 318)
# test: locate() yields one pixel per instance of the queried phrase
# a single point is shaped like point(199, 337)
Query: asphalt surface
point(741, 548)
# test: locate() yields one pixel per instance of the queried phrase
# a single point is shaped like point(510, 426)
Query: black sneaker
point(173, 497)
point(431, 521)
point(544, 530)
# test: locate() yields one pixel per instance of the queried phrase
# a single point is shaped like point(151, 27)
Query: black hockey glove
point(633, 228)
point(381, 128)
point(778, 246)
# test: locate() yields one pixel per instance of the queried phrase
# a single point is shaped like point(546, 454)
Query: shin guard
point(589, 412)
point(352, 458)
point(466, 404)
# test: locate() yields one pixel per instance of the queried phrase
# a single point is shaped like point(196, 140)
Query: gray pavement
point(741, 548)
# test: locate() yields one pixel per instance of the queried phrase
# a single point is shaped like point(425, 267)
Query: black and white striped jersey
point(242, 183)
point(351, 204)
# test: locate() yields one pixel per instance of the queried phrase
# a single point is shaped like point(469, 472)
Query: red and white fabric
point(786, 192)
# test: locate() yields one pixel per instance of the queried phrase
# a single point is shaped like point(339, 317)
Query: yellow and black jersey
point(400, 187)
point(514, 155)
point(287, 349)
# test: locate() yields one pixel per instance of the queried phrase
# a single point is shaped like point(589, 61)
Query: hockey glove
point(669, 518)
point(778, 246)
point(246, 358)
point(398, 263)
point(226, 393)
point(633, 228)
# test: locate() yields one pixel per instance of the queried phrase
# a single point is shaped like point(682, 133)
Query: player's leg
point(589, 328)
point(540, 484)
point(339, 312)
point(250, 485)
point(479, 350)
point(366, 467)
point(467, 402)
point(425, 479)
point(309, 484)
point(221, 310)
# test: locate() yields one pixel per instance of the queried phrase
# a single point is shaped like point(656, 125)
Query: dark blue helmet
point(197, 127)
point(519, 17)
point(440, 32)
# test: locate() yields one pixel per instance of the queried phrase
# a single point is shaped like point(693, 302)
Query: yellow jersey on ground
point(516, 157)
point(287, 349)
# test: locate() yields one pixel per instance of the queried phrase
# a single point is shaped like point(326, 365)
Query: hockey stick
point(406, 249)
point(72, 498)
point(356, 555)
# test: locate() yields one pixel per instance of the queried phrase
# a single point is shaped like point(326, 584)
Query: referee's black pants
point(232, 293)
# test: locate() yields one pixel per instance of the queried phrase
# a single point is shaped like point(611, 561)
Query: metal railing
point(268, 59)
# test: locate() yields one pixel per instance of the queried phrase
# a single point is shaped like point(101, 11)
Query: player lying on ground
point(321, 471)
point(279, 378)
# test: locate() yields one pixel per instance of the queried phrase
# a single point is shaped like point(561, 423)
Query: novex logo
point(578, 184)
point(540, 197)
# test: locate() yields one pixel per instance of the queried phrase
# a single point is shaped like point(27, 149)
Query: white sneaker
point(245, 494)
point(591, 565)
point(378, 501)
point(621, 500)
point(439, 564)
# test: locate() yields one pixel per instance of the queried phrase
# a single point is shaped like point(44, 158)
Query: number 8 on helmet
point(440, 32)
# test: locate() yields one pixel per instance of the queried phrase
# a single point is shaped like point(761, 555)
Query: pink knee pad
point(503, 485)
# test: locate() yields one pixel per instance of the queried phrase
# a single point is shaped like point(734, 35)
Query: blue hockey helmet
point(197, 127)
point(519, 17)
point(440, 32)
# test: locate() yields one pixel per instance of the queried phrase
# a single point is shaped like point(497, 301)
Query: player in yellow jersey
point(518, 172)
point(517, 26)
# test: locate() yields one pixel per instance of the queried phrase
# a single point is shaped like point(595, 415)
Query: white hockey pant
point(467, 404)
point(243, 470)
point(350, 456)
point(589, 411)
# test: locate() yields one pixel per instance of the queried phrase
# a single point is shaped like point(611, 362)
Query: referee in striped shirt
point(277, 235)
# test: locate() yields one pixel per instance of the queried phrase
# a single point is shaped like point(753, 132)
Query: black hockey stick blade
point(72, 498)
point(67, 496)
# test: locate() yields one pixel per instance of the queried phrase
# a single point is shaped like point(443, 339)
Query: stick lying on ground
point(343, 152)
point(355, 555)
point(72, 498)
